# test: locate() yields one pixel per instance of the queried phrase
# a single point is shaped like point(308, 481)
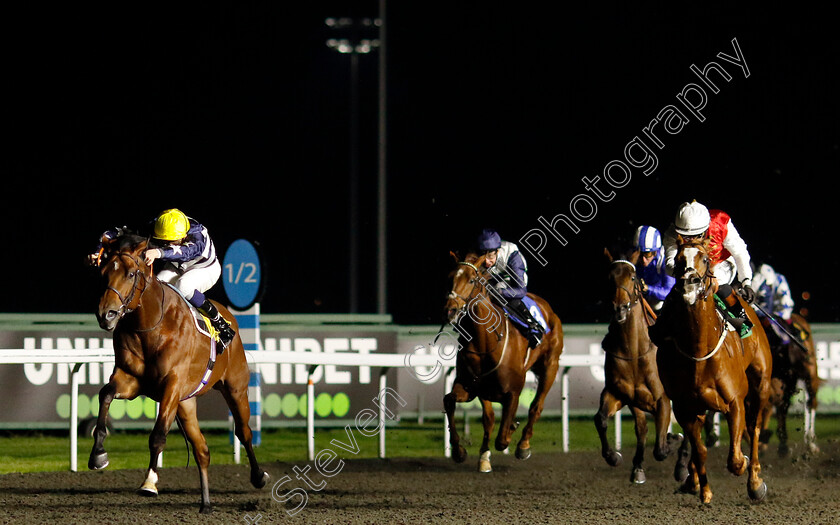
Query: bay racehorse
point(493, 358)
point(631, 377)
point(792, 361)
point(159, 353)
point(706, 366)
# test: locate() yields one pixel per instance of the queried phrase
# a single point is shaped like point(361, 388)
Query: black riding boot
point(535, 330)
point(738, 317)
point(226, 333)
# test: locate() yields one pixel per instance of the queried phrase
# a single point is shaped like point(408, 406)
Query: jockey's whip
point(783, 329)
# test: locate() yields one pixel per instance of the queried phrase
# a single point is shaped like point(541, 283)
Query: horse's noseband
point(702, 283)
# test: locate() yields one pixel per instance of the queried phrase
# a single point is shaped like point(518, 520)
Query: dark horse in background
point(705, 366)
point(631, 376)
point(493, 358)
point(160, 353)
point(792, 361)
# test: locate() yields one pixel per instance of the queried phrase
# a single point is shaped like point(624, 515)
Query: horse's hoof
point(523, 453)
point(614, 458)
point(260, 480)
point(148, 490)
point(758, 495)
point(638, 476)
point(680, 473)
point(98, 461)
point(459, 454)
point(660, 453)
point(784, 450)
point(688, 487)
point(813, 448)
point(205, 509)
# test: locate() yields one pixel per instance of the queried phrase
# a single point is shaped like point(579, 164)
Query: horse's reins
point(466, 302)
point(706, 278)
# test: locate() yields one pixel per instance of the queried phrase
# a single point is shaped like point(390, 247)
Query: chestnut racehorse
point(792, 361)
point(493, 358)
point(705, 366)
point(159, 353)
point(631, 377)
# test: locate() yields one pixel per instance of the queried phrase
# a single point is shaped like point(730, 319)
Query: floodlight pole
point(355, 46)
point(381, 220)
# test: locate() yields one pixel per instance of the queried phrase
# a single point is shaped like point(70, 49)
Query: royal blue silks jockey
point(656, 283)
point(509, 278)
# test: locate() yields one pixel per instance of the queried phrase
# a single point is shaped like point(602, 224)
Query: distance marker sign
point(242, 274)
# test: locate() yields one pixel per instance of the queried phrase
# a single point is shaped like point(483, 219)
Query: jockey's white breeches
point(201, 279)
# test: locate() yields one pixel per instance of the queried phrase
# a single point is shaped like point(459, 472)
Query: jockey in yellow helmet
point(190, 263)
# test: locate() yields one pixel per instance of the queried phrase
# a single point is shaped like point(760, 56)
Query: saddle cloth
point(535, 312)
point(202, 323)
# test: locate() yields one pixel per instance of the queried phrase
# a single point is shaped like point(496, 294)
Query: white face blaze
point(691, 291)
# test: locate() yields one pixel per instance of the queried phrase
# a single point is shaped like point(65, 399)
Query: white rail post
point(383, 384)
point(564, 393)
point(74, 417)
point(448, 383)
point(310, 414)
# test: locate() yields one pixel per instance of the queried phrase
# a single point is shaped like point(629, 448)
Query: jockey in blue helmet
point(656, 283)
point(509, 278)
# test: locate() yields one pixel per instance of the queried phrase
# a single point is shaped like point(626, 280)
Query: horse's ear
point(454, 256)
point(471, 258)
point(680, 240)
point(634, 257)
point(608, 254)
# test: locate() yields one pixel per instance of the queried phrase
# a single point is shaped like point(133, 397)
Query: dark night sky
point(239, 115)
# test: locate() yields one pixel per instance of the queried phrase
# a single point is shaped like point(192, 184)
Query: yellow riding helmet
point(171, 225)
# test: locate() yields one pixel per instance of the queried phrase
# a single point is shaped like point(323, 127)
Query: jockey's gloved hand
point(748, 293)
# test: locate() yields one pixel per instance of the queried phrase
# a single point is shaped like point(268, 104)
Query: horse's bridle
point(621, 310)
point(125, 302)
point(703, 281)
point(473, 281)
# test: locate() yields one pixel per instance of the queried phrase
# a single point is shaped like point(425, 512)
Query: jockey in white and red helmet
point(727, 251)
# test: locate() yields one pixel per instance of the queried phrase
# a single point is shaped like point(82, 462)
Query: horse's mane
point(128, 239)
point(471, 257)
